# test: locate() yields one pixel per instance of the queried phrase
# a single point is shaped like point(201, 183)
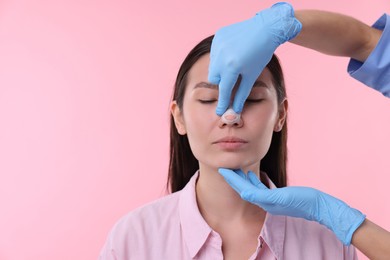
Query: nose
point(231, 118)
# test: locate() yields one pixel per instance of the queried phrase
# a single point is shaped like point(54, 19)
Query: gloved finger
point(255, 181)
point(241, 173)
point(235, 181)
point(243, 91)
point(213, 76)
point(228, 80)
point(214, 79)
point(257, 197)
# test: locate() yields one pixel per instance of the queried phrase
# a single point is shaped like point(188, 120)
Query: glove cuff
point(339, 217)
point(356, 218)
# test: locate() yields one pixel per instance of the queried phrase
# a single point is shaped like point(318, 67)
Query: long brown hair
point(183, 164)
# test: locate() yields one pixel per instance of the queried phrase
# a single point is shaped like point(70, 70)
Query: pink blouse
point(173, 228)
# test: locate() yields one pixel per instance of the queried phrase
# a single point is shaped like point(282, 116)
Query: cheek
point(198, 117)
point(199, 120)
point(261, 117)
point(199, 124)
point(261, 124)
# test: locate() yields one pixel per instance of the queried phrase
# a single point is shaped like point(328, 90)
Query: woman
point(204, 218)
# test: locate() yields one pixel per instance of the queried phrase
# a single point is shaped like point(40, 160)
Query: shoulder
point(143, 227)
point(151, 215)
point(155, 217)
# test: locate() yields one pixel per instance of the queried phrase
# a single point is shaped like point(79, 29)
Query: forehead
point(199, 73)
point(199, 70)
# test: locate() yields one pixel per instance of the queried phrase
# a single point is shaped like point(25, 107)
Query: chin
point(239, 164)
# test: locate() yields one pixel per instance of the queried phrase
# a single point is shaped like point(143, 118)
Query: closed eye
point(254, 100)
point(207, 101)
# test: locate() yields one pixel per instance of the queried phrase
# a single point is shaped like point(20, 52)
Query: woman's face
point(215, 144)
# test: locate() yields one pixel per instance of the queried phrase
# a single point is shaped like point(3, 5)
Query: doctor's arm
point(340, 35)
point(372, 240)
point(347, 223)
point(336, 34)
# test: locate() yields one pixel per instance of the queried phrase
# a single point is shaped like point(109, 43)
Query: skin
point(372, 240)
point(237, 222)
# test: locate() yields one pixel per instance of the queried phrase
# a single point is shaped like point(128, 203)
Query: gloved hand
point(301, 202)
point(245, 48)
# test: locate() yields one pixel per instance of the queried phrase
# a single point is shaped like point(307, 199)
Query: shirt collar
point(196, 230)
point(274, 230)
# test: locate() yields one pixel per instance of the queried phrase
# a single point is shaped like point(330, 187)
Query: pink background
point(84, 94)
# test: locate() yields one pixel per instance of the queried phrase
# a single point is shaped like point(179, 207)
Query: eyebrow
point(258, 83)
point(206, 85)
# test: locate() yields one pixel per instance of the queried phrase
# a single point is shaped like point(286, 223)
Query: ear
point(282, 115)
point(178, 118)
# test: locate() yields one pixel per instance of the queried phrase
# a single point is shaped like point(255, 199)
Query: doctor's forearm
point(335, 34)
point(372, 240)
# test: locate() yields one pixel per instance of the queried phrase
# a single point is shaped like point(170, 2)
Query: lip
point(230, 139)
point(230, 143)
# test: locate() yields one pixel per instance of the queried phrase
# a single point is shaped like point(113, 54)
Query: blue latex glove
point(301, 202)
point(245, 48)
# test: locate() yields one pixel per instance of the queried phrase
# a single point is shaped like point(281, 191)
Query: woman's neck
point(220, 204)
